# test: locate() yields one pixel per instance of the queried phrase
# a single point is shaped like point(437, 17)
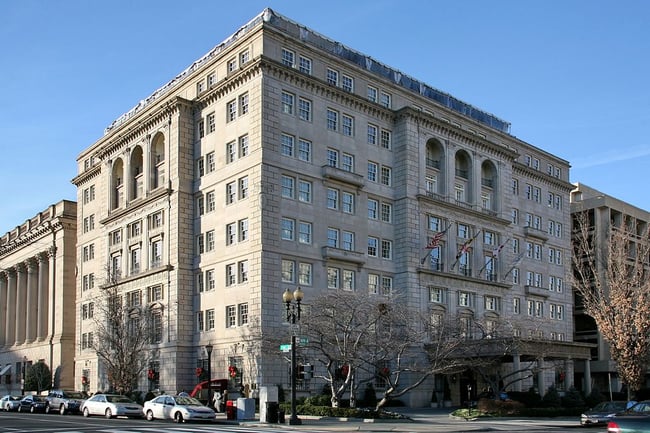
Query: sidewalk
point(420, 420)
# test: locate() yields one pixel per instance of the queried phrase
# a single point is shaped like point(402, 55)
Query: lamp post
point(293, 316)
point(22, 376)
point(208, 349)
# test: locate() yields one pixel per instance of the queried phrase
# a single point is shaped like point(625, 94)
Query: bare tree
point(121, 337)
point(613, 284)
point(360, 338)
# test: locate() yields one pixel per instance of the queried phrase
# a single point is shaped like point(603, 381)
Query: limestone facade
point(37, 297)
point(283, 158)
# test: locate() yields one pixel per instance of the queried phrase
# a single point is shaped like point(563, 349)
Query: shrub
point(369, 396)
point(530, 398)
point(498, 407)
point(551, 398)
point(573, 398)
point(594, 397)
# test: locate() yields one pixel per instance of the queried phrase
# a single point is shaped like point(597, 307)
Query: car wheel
point(149, 415)
point(86, 412)
point(32, 409)
point(178, 417)
point(47, 408)
point(62, 409)
point(108, 414)
point(20, 408)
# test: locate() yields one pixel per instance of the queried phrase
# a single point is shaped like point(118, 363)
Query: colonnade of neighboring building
point(24, 300)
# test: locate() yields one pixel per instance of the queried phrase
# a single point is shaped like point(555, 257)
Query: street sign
point(303, 341)
point(285, 347)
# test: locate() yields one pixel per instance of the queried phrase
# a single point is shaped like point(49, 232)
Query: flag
point(465, 248)
point(433, 242)
point(515, 262)
point(497, 250)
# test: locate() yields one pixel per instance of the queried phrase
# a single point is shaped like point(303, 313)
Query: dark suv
point(64, 401)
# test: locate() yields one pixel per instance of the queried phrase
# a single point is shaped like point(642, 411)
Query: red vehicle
point(200, 391)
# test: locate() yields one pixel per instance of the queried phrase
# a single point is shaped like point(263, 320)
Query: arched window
point(434, 181)
point(463, 178)
point(117, 184)
point(137, 175)
point(158, 161)
point(488, 186)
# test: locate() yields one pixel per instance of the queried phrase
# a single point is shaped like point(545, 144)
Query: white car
point(178, 408)
point(9, 402)
point(111, 405)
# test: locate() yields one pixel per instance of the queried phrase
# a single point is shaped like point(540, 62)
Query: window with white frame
point(436, 295)
point(372, 94)
point(304, 232)
point(287, 145)
point(347, 202)
point(332, 237)
point(231, 274)
point(386, 139)
point(333, 277)
point(288, 186)
point(386, 212)
point(386, 249)
point(347, 125)
point(332, 120)
point(347, 240)
point(287, 228)
point(304, 191)
point(304, 150)
point(332, 77)
point(288, 271)
point(372, 134)
point(373, 284)
point(288, 101)
point(304, 109)
point(347, 162)
point(304, 65)
point(332, 198)
point(373, 209)
point(288, 58)
point(347, 83)
point(348, 280)
point(372, 171)
point(464, 299)
point(304, 274)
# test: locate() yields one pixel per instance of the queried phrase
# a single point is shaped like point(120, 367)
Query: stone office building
point(283, 158)
point(37, 297)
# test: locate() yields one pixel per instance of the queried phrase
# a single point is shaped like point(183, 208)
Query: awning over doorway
point(5, 370)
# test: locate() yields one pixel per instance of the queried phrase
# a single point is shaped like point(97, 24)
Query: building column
point(21, 301)
point(43, 297)
point(516, 365)
point(541, 382)
point(587, 378)
point(10, 322)
point(3, 307)
point(31, 304)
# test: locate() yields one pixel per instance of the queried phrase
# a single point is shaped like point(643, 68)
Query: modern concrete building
point(37, 297)
point(283, 158)
point(605, 212)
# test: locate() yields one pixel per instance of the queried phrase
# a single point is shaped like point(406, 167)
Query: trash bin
point(272, 412)
point(231, 410)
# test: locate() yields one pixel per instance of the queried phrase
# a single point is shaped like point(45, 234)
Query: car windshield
point(118, 399)
point(37, 398)
point(74, 394)
point(14, 398)
point(188, 401)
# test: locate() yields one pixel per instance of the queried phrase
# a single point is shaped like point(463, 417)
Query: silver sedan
point(177, 408)
point(111, 405)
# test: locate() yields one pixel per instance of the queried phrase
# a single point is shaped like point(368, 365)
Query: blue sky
point(571, 76)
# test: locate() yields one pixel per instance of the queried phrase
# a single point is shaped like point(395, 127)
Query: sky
point(571, 76)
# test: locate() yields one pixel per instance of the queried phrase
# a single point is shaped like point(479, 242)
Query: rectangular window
point(231, 233)
point(243, 146)
point(347, 125)
point(347, 241)
point(373, 246)
point(332, 198)
point(287, 102)
point(287, 229)
point(304, 65)
point(373, 207)
point(210, 201)
point(244, 57)
point(386, 175)
point(372, 134)
point(231, 111)
point(231, 152)
point(243, 230)
point(332, 237)
point(242, 271)
point(288, 58)
point(304, 191)
point(348, 280)
point(333, 278)
point(304, 109)
point(332, 77)
point(231, 192)
point(210, 165)
point(386, 212)
point(347, 162)
point(372, 94)
point(372, 171)
point(209, 240)
point(386, 139)
point(288, 189)
point(332, 157)
point(347, 202)
point(288, 271)
point(304, 150)
point(332, 120)
point(209, 320)
point(347, 83)
point(386, 249)
point(385, 99)
point(231, 316)
point(231, 274)
point(373, 284)
point(243, 314)
point(212, 124)
point(243, 187)
point(304, 232)
point(304, 274)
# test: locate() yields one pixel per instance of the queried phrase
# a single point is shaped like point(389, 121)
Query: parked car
point(636, 419)
point(178, 408)
point(602, 412)
point(9, 403)
point(64, 401)
point(110, 405)
point(32, 403)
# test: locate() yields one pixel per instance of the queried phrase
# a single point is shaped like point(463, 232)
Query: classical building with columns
point(284, 158)
point(37, 297)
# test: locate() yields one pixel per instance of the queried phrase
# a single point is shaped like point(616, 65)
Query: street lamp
point(293, 316)
point(22, 376)
point(208, 349)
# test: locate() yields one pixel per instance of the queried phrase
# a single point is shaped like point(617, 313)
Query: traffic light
point(301, 372)
point(308, 371)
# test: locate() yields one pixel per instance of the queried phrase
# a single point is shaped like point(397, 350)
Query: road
point(425, 421)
